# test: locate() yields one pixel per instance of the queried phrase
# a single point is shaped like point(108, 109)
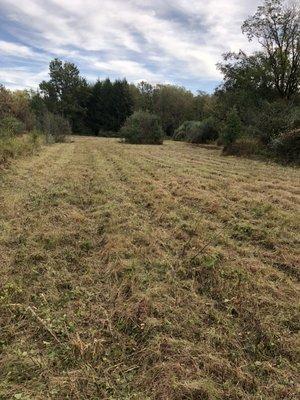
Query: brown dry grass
point(148, 272)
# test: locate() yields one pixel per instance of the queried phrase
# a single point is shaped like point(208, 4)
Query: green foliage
point(296, 117)
point(142, 128)
point(66, 93)
point(16, 146)
point(183, 132)
point(10, 126)
point(35, 136)
point(55, 127)
point(197, 131)
point(273, 119)
point(146, 96)
point(16, 121)
point(260, 92)
point(109, 105)
point(37, 103)
point(287, 146)
point(247, 74)
point(232, 129)
point(208, 131)
point(247, 146)
point(105, 105)
point(264, 86)
point(16, 104)
point(173, 105)
point(277, 28)
point(5, 101)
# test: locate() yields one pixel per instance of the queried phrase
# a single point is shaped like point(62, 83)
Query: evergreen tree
point(123, 103)
point(109, 105)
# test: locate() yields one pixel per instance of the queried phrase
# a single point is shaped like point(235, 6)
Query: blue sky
point(160, 41)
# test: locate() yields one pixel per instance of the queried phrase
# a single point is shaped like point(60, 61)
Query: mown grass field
point(148, 272)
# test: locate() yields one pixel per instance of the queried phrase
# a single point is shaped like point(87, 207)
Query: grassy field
point(148, 272)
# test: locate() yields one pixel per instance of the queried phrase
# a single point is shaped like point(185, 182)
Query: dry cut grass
point(139, 272)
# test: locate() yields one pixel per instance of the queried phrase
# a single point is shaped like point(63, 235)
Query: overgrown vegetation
point(232, 129)
point(13, 147)
point(25, 123)
point(264, 86)
point(287, 145)
point(55, 127)
point(197, 131)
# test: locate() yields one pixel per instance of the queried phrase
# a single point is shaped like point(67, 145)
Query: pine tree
point(109, 106)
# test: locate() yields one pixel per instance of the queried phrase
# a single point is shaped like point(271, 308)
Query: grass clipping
point(148, 272)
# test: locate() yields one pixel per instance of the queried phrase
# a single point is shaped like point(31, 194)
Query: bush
point(183, 132)
point(55, 127)
point(296, 118)
point(10, 126)
point(142, 128)
point(287, 146)
point(273, 119)
point(246, 147)
point(207, 132)
point(197, 131)
point(232, 129)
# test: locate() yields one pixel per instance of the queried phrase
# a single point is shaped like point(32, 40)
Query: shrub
point(206, 132)
point(197, 131)
point(296, 117)
point(232, 129)
point(10, 126)
point(246, 147)
point(55, 127)
point(287, 146)
point(183, 132)
point(35, 137)
point(273, 119)
point(142, 128)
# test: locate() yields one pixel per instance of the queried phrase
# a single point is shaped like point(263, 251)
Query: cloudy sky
point(168, 41)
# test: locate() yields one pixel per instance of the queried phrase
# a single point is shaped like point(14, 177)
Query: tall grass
point(15, 146)
point(15, 141)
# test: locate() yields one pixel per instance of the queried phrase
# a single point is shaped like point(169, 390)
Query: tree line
point(255, 110)
point(103, 107)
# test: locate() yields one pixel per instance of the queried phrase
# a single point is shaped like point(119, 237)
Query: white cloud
point(21, 78)
point(152, 39)
point(14, 49)
point(130, 69)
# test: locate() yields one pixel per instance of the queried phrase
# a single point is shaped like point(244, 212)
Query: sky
point(159, 41)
